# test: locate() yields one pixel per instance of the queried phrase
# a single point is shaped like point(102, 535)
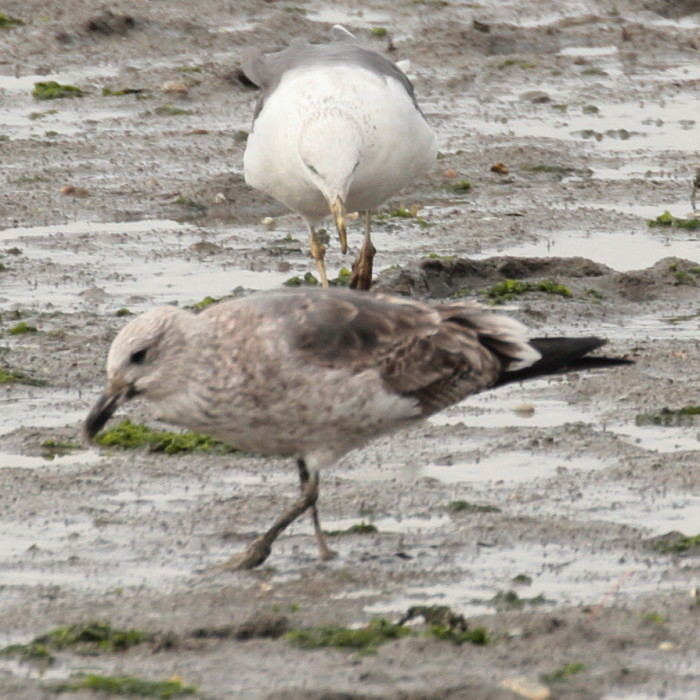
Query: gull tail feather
point(562, 355)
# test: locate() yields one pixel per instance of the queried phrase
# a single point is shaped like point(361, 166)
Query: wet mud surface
point(112, 202)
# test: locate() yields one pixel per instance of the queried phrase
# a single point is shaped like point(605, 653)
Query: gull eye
point(138, 357)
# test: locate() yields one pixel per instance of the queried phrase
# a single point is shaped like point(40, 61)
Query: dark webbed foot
point(252, 557)
point(361, 277)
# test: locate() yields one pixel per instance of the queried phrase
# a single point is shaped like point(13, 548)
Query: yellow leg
point(318, 253)
point(362, 267)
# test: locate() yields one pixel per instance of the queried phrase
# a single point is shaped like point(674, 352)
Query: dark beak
point(101, 412)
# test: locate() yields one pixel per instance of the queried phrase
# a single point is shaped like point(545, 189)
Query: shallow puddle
point(389, 524)
point(39, 407)
point(38, 671)
point(560, 574)
point(510, 468)
point(156, 257)
point(684, 326)
point(15, 461)
point(655, 512)
point(658, 438)
point(522, 405)
point(622, 251)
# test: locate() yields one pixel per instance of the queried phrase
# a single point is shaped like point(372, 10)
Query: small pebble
point(173, 86)
point(75, 191)
point(524, 410)
point(527, 688)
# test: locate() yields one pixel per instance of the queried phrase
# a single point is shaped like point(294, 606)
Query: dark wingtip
point(564, 355)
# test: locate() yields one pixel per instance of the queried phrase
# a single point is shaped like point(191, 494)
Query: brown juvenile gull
point(336, 128)
point(313, 374)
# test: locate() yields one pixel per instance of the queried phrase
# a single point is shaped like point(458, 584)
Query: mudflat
point(560, 515)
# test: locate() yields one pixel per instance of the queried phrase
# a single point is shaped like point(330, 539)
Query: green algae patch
point(563, 673)
point(444, 258)
point(460, 187)
point(343, 278)
point(402, 213)
point(467, 508)
point(55, 448)
point(8, 376)
point(667, 220)
point(241, 136)
point(128, 686)
point(510, 600)
point(41, 115)
point(51, 90)
point(670, 417)
point(128, 435)
point(378, 32)
point(109, 92)
point(362, 528)
point(33, 651)
point(26, 180)
point(675, 543)
point(207, 301)
point(689, 276)
point(509, 62)
point(7, 22)
point(653, 618)
point(477, 636)
point(385, 219)
point(85, 638)
point(308, 280)
point(443, 623)
point(191, 203)
point(22, 327)
point(559, 171)
point(508, 289)
point(170, 111)
point(363, 639)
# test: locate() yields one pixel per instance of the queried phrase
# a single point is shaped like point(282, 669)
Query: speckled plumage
point(315, 373)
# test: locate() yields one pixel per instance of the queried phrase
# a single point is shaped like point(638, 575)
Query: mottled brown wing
point(422, 352)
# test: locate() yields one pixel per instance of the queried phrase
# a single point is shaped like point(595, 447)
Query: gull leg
point(259, 550)
point(362, 267)
point(324, 551)
point(318, 253)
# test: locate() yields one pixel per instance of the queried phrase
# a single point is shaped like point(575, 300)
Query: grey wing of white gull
point(266, 70)
point(434, 355)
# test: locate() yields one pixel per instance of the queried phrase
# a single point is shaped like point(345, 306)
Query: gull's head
point(147, 358)
point(330, 147)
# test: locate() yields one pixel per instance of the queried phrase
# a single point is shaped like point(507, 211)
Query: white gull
point(336, 128)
